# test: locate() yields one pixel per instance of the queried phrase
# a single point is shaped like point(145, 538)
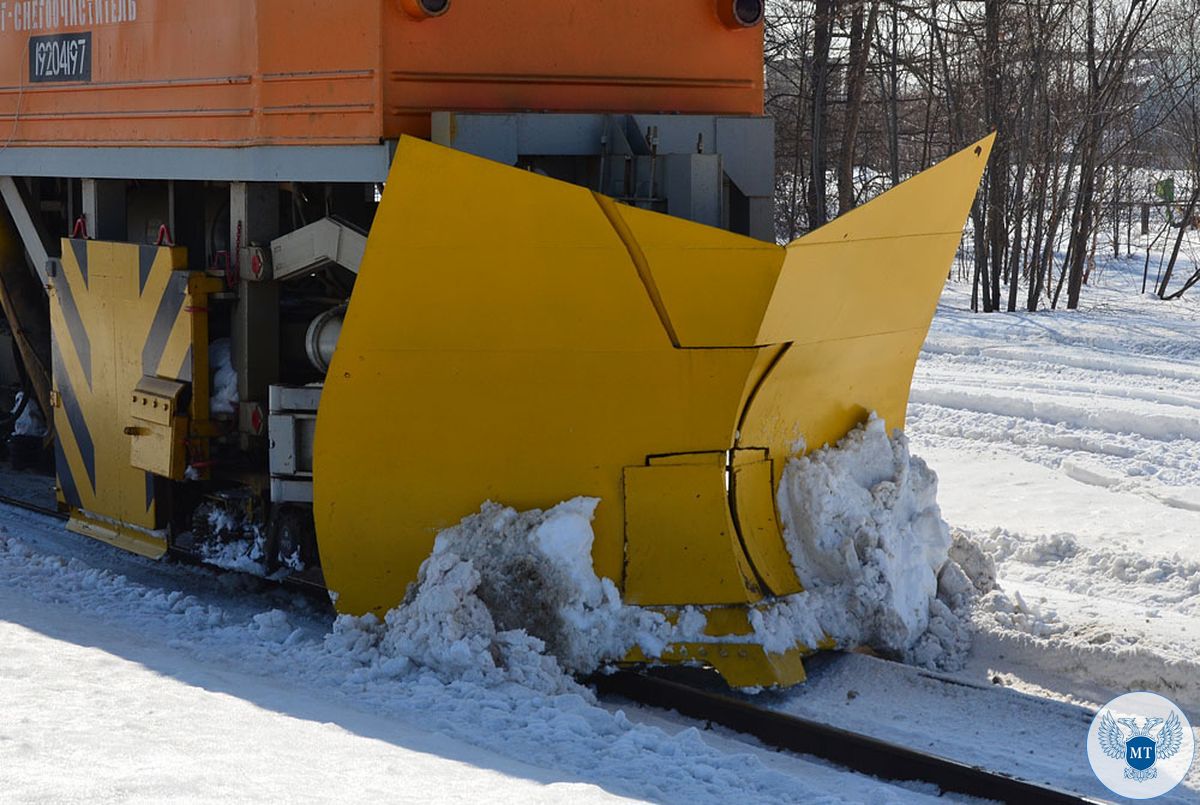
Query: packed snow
point(1069, 454)
point(868, 542)
point(1068, 448)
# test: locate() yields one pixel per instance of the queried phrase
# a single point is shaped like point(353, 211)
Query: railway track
point(311, 584)
point(32, 507)
point(855, 751)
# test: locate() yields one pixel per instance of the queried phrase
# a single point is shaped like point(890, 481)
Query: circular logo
point(1140, 745)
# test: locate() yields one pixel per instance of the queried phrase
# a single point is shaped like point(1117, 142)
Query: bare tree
point(823, 34)
point(868, 92)
point(861, 35)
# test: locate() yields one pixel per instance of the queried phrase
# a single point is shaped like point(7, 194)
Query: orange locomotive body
point(237, 73)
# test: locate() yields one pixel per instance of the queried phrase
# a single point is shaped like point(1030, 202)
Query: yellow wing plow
point(527, 341)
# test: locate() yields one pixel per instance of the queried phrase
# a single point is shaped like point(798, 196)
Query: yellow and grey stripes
point(118, 312)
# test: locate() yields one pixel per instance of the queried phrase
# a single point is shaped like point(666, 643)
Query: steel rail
point(860, 753)
point(32, 507)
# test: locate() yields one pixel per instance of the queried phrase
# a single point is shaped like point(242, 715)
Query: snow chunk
point(242, 549)
point(508, 597)
point(1015, 614)
point(273, 627)
point(975, 563)
point(868, 542)
point(30, 422)
point(224, 398)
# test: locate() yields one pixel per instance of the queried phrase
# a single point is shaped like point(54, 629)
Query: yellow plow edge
point(519, 339)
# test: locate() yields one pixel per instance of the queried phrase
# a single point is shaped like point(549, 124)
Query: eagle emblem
point(1140, 751)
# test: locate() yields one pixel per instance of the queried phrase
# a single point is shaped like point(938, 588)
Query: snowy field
point(1067, 446)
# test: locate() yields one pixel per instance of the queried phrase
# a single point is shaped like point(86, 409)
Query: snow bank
point(868, 542)
point(1105, 619)
point(509, 596)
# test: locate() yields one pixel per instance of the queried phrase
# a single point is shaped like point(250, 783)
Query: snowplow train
point(312, 304)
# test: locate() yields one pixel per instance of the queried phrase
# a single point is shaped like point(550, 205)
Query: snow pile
point(868, 543)
point(511, 596)
point(1003, 545)
point(508, 597)
point(224, 398)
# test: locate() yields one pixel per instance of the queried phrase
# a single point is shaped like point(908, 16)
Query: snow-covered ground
point(130, 681)
point(1067, 446)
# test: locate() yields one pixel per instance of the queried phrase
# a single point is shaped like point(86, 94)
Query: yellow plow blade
point(523, 340)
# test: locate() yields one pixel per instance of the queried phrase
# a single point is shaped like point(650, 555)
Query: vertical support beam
point(171, 206)
point(104, 209)
point(254, 210)
point(31, 239)
point(694, 187)
point(72, 214)
point(762, 218)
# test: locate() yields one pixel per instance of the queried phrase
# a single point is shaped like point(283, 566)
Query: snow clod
point(869, 545)
point(510, 596)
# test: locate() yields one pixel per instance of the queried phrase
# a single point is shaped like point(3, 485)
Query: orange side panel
point(571, 56)
point(337, 72)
